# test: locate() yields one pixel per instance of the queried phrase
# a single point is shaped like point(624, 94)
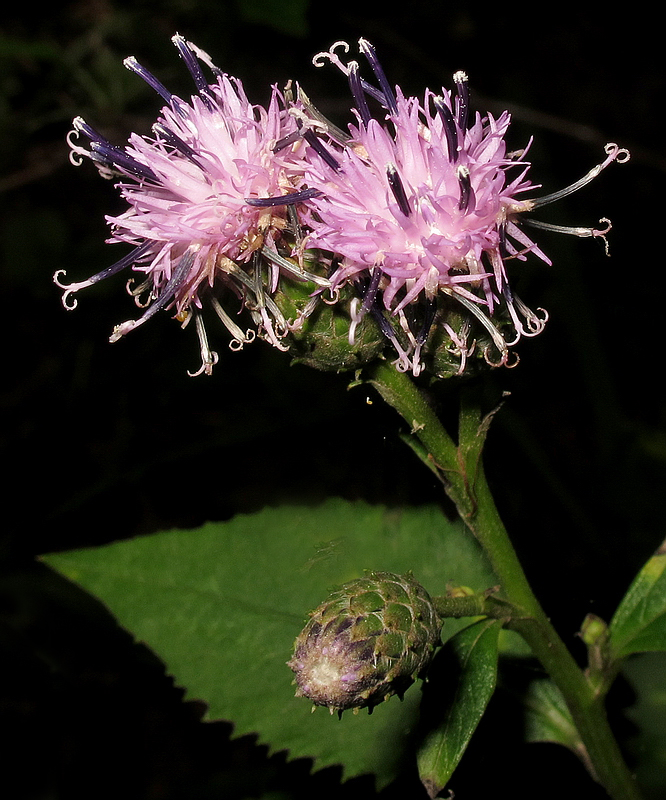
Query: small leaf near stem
point(639, 624)
point(547, 719)
point(451, 720)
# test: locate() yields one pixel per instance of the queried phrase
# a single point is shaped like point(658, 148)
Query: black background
point(103, 441)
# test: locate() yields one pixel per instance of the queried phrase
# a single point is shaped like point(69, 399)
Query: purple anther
point(462, 99)
point(313, 140)
point(358, 93)
point(450, 129)
point(430, 309)
point(284, 199)
point(466, 191)
point(369, 52)
point(170, 138)
point(133, 65)
point(370, 294)
point(398, 189)
point(192, 63)
point(111, 156)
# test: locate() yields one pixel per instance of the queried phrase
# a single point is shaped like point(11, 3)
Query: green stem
point(472, 605)
point(461, 469)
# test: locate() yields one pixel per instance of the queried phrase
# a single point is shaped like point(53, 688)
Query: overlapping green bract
point(366, 642)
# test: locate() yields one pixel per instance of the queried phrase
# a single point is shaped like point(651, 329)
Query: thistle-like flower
point(207, 196)
point(366, 642)
point(422, 209)
point(416, 213)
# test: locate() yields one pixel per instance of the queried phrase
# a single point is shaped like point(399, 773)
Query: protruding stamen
point(369, 52)
point(355, 316)
point(430, 309)
point(398, 189)
point(313, 140)
point(168, 292)
point(332, 56)
point(81, 126)
point(208, 357)
point(467, 200)
point(77, 152)
point(294, 269)
point(582, 233)
point(203, 56)
point(534, 324)
point(414, 347)
point(127, 261)
point(176, 142)
point(191, 62)
point(284, 199)
point(108, 157)
point(357, 92)
point(495, 335)
point(370, 294)
point(240, 337)
point(462, 99)
point(387, 330)
point(189, 56)
point(111, 156)
point(450, 129)
point(459, 346)
point(133, 65)
point(615, 153)
point(287, 140)
point(503, 249)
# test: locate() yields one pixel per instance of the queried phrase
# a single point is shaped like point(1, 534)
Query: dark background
point(103, 442)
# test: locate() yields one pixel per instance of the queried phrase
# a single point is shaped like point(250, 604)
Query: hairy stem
point(460, 467)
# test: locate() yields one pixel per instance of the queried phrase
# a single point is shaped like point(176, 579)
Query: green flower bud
point(594, 631)
point(321, 339)
point(366, 642)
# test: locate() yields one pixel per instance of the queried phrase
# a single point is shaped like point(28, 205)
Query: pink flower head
point(207, 195)
point(420, 204)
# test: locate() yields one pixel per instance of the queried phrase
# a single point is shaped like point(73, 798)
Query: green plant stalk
point(463, 476)
point(473, 605)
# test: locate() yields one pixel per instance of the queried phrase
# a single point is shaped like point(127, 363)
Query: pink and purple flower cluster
point(416, 210)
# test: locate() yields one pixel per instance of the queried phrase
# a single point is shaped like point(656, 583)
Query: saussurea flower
point(420, 210)
point(208, 195)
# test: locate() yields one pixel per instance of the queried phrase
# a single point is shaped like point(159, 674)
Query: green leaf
point(639, 624)
point(222, 605)
point(455, 714)
point(647, 675)
point(547, 717)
